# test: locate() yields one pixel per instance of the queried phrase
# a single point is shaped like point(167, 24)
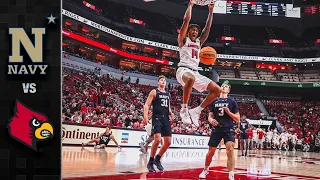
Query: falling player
point(224, 114)
point(243, 127)
point(187, 73)
point(103, 140)
point(160, 101)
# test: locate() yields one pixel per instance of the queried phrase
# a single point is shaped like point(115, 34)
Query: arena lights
point(275, 41)
point(227, 38)
point(114, 50)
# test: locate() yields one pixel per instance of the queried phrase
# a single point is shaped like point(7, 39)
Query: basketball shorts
point(161, 124)
point(103, 142)
point(201, 82)
point(218, 133)
point(243, 136)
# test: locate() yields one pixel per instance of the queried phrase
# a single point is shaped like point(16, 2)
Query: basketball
point(208, 55)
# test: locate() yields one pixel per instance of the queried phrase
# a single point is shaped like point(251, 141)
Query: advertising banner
point(78, 134)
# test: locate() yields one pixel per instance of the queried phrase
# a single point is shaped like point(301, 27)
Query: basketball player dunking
point(187, 73)
point(103, 140)
point(161, 126)
point(243, 127)
point(224, 113)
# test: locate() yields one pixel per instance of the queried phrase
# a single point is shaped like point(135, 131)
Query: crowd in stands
point(298, 117)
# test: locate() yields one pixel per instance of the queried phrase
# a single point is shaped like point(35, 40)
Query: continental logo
point(77, 134)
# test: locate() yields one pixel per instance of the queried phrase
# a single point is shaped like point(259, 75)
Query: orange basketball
point(208, 55)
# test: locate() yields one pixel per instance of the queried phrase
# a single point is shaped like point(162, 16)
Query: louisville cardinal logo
point(29, 127)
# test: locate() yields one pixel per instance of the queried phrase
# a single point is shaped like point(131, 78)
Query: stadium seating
point(296, 116)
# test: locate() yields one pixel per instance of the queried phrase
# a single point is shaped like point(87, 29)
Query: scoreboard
point(256, 8)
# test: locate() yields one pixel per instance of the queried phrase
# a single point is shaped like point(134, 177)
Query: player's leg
point(166, 133)
point(247, 147)
point(163, 149)
point(148, 141)
point(229, 139)
point(103, 146)
point(186, 78)
point(144, 145)
point(241, 144)
point(91, 141)
point(156, 131)
point(203, 83)
point(214, 141)
point(154, 148)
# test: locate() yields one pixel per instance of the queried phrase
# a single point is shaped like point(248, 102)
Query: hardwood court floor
point(78, 163)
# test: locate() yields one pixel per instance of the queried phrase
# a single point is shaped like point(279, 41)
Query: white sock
point(206, 168)
point(184, 105)
point(231, 172)
point(199, 109)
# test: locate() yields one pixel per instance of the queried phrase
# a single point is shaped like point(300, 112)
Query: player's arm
point(114, 140)
point(170, 112)
point(206, 30)
point(184, 28)
point(211, 116)
point(147, 105)
point(238, 126)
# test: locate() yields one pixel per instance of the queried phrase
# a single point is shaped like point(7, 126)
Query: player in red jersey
point(187, 73)
point(250, 138)
point(261, 137)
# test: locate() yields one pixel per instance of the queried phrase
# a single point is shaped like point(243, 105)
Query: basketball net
point(204, 2)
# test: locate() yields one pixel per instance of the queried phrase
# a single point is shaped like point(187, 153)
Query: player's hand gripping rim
point(213, 122)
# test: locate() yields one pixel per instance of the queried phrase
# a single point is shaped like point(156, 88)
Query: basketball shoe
point(195, 116)
point(204, 174)
point(184, 114)
point(231, 175)
point(150, 167)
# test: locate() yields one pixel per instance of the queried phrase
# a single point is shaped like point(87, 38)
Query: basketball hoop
point(204, 2)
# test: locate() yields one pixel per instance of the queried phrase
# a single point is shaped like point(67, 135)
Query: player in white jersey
point(187, 73)
point(284, 140)
point(269, 138)
point(255, 138)
point(294, 139)
point(275, 139)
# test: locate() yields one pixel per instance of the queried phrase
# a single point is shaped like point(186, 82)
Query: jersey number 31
point(164, 102)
